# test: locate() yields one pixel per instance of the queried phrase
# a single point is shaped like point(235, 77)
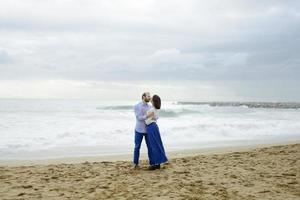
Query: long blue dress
point(156, 151)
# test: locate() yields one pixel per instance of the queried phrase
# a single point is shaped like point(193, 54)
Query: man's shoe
point(136, 167)
point(152, 167)
point(157, 166)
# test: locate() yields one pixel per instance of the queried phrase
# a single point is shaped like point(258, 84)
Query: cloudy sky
point(183, 50)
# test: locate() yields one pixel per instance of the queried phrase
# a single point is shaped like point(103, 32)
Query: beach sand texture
point(262, 173)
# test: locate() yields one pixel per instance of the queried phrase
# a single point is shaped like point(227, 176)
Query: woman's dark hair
point(156, 101)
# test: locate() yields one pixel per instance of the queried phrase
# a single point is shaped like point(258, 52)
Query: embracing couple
point(146, 127)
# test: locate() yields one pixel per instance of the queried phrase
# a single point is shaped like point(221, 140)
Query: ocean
point(43, 129)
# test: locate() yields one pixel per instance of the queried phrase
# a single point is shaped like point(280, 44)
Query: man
point(140, 111)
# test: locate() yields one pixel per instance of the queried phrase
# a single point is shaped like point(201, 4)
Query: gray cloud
point(4, 57)
point(241, 42)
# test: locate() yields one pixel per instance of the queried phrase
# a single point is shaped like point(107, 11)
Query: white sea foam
point(58, 128)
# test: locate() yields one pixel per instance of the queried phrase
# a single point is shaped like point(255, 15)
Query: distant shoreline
point(249, 104)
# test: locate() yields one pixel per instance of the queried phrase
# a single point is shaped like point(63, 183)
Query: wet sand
point(271, 172)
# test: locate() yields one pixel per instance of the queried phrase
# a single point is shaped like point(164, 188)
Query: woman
point(156, 151)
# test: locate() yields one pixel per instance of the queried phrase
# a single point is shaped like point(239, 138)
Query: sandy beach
point(271, 172)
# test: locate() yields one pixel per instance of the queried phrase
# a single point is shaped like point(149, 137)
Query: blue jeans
point(138, 141)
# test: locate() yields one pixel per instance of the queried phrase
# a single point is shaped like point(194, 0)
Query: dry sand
point(262, 173)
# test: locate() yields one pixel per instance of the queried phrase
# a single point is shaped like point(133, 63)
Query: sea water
point(41, 129)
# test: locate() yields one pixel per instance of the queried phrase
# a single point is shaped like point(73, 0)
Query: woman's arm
point(150, 114)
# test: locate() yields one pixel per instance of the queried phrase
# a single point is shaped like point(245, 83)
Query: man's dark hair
point(156, 101)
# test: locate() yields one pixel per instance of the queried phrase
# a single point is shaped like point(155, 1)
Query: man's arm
point(139, 114)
